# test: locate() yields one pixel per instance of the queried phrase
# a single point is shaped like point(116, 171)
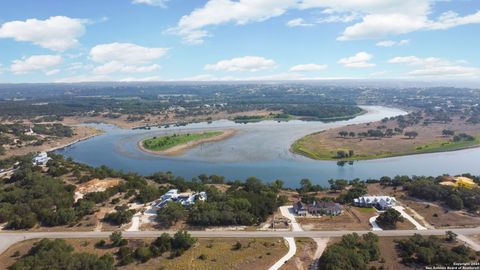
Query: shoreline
point(97, 133)
point(326, 143)
point(89, 132)
point(180, 149)
point(301, 153)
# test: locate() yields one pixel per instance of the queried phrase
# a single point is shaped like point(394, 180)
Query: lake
point(260, 149)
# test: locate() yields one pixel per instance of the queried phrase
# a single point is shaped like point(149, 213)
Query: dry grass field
point(255, 254)
point(324, 145)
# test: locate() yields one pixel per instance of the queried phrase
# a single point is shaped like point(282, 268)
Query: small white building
point(379, 202)
point(41, 159)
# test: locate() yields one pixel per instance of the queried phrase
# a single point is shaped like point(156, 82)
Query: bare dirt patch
point(352, 218)
point(440, 217)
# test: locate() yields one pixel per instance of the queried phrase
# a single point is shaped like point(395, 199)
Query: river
point(262, 150)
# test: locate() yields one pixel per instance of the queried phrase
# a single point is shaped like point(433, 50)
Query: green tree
point(171, 213)
point(389, 218)
point(116, 238)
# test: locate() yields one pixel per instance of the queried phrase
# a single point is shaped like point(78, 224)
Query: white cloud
point(35, 63)
point(451, 19)
point(215, 12)
point(436, 67)
point(390, 43)
point(125, 53)
point(112, 67)
point(57, 33)
point(298, 22)
point(84, 78)
point(307, 67)
point(143, 79)
point(125, 58)
point(246, 63)
point(378, 18)
point(159, 3)
point(359, 60)
point(52, 72)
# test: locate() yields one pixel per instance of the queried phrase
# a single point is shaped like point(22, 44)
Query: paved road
point(287, 211)
point(9, 238)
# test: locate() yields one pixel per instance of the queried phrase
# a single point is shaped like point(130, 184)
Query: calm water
point(261, 150)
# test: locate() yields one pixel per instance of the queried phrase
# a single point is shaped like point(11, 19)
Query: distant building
point(317, 208)
point(379, 202)
point(41, 159)
point(459, 182)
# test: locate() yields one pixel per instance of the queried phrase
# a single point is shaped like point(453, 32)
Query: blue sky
point(155, 40)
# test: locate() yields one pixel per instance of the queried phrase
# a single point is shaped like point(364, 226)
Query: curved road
point(9, 238)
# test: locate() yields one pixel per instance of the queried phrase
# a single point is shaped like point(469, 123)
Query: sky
point(223, 40)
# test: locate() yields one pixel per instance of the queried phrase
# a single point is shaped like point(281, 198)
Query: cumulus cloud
point(246, 63)
point(191, 27)
point(125, 58)
point(298, 22)
point(158, 3)
point(35, 63)
point(57, 33)
point(391, 43)
point(307, 68)
point(359, 60)
point(436, 67)
point(373, 18)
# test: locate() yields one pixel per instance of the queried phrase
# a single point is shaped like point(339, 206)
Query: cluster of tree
point(344, 154)
point(306, 185)
point(57, 130)
point(57, 254)
point(353, 252)
point(30, 197)
point(427, 188)
point(321, 111)
point(242, 204)
point(429, 251)
point(338, 184)
point(358, 188)
point(411, 134)
point(463, 137)
point(176, 246)
point(448, 132)
point(122, 215)
point(345, 133)
point(389, 219)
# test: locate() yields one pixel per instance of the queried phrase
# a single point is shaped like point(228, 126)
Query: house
point(41, 159)
point(459, 182)
point(300, 208)
point(185, 199)
point(379, 202)
point(317, 208)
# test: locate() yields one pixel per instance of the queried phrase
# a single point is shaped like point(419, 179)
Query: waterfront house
point(379, 202)
point(317, 208)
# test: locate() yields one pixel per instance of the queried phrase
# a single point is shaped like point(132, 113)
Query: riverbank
point(160, 120)
point(81, 133)
point(181, 148)
point(331, 145)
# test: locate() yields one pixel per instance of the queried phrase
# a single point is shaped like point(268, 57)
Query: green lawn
point(166, 142)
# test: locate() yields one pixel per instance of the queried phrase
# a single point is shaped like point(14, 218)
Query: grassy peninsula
point(177, 143)
point(400, 136)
